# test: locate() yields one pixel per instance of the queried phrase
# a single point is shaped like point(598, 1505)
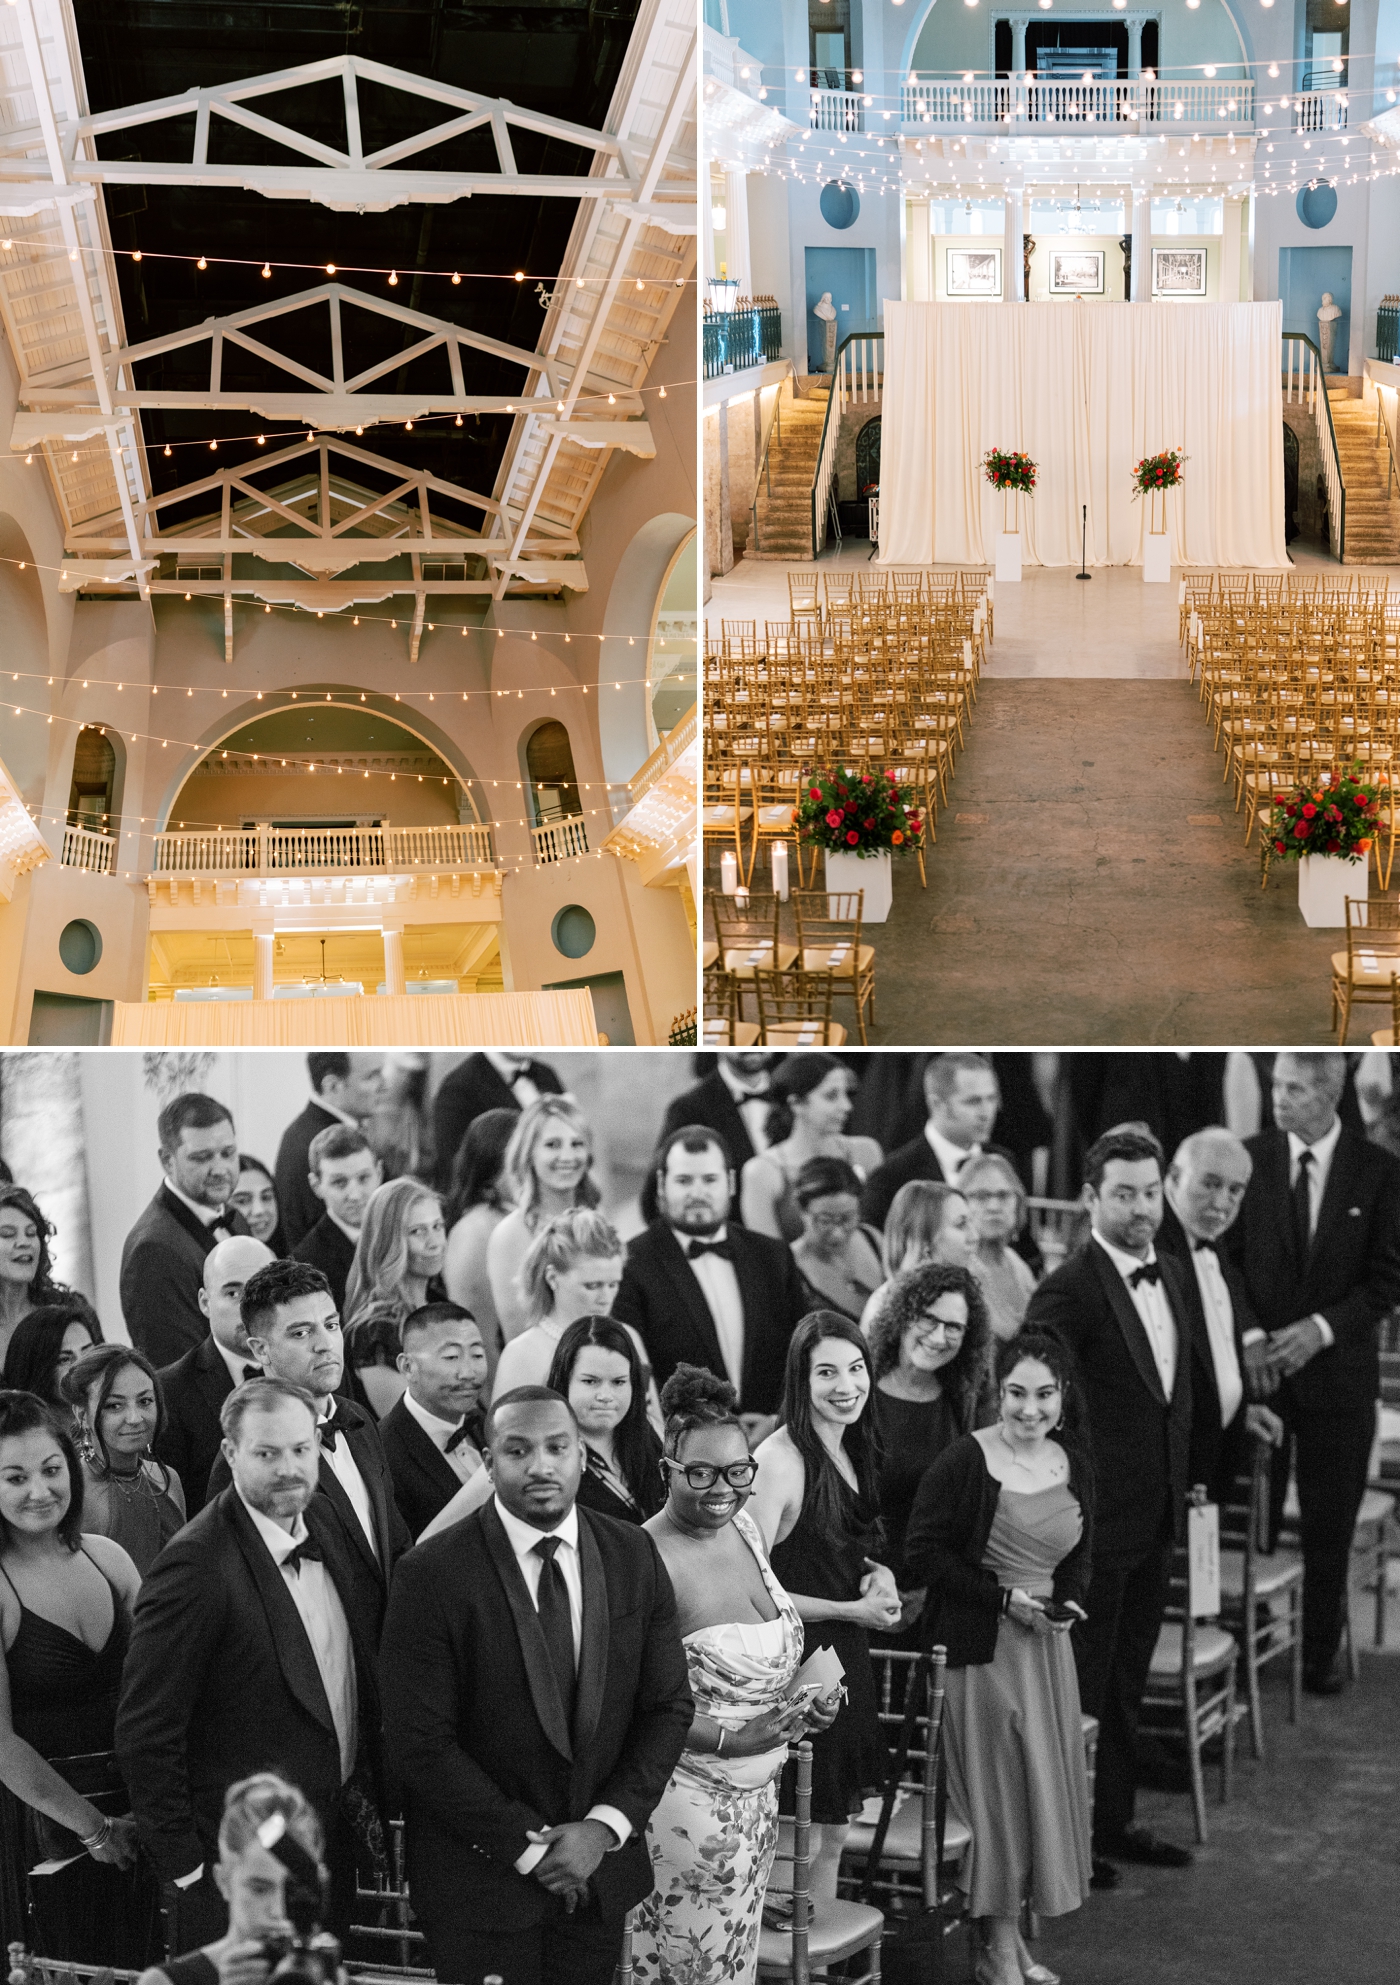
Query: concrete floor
point(1072, 898)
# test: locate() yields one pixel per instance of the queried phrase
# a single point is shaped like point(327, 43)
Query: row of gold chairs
point(792, 979)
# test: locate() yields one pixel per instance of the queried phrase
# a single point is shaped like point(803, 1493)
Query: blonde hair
point(518, 1170)
point(578, 1235)
point(253, 1801)
point(376, 1278)
point(915, 1219)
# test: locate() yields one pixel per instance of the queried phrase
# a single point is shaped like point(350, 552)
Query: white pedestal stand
point(1009, 557)
point(1156, 559)
point(1325, 882)
point(845, 874)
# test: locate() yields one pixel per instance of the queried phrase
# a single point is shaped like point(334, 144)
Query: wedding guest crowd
point(375, 1510)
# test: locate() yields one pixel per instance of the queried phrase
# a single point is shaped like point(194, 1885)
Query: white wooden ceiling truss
point(338, 400)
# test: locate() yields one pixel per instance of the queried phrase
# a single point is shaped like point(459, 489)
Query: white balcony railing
point(1320, 110)
point(256, 851)
point(558, 839)
point(1005, 102)
point(838, 110)
point(97, 853)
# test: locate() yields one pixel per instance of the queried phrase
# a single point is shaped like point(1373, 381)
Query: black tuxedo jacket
point(424, 1479)
point(330, 1249)
point(914, 1160)
point(220, 1681)
point(297, 1204)
point(194, 1389)
point(1218, 1453)
point(473, 1719)
point(162, 1273)
point(368, 1574)
point(471, 1087)
point(1351, 1274)
point(661, 1297)
point(1140, 1442)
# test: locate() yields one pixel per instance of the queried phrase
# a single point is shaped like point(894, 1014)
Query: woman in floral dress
point(714, 1834)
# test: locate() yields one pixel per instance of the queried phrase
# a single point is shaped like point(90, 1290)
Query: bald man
point(196, 1386)
point(1204, 1190)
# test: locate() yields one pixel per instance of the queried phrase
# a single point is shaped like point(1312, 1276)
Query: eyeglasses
point(704, 1474)
point(989, 1198)
point(930, 1327)
point(834, 1220)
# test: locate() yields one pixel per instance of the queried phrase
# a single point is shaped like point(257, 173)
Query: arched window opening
point(549, 767)
point(673, 647)
point(91, 794)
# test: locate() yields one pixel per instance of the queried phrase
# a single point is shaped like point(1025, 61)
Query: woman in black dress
point(65, 1621)
point(930, 1347)
point(253, 1882)
point(817, 1501)
point(597, 1370)
point(48, 1344)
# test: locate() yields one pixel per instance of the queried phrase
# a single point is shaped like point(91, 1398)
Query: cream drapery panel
point(466, 1020)
point(1086, 390)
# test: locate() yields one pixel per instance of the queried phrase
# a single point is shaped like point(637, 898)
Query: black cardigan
point(947, 1540)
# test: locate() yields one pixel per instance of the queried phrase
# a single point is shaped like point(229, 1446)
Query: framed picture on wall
point(1076, 272)
point(1178, 272)
point(974, 272)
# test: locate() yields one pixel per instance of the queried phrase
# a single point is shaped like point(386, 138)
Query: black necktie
point(307, 1549)
point(340, 1422)
point(1151, 1271)
point(698, 1248)
point(1302, 1204)
point(556, 1622)
point(454, 1440)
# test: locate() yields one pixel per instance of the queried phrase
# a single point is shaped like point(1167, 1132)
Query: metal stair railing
point(1302, 369)
point(857, 375)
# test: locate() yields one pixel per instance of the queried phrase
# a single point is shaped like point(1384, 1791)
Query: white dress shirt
point(515, 1076)
point(316, 1599)
point(348, 1475)
point(208, 1216)
point(523, 1539)
point(1322, 1154)
point(753, 1106)
point(464, 1459)
point(1220, 1329)
point(719, 1285)
point(1151, 1302)
point(951, 1157)
point(334, 1110)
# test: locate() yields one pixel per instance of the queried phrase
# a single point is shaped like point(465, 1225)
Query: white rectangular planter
point(1156, 559)
point(1009, 556)
point(1325, 882)
point(872, 873)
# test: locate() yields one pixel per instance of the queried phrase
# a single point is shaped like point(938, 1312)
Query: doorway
point(849, 274)
point(1303, 275)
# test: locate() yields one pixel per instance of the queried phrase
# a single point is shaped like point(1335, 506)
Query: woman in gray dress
point(1001, 1532)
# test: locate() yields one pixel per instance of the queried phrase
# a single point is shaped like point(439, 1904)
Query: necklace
point(1017, 1460)
point(131, 1488)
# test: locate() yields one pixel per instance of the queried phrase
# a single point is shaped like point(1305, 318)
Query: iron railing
point(736, 339)
point(1305, 383)
point(1388, 328)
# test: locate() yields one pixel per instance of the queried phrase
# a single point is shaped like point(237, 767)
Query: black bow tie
point(251, 1371)
point(340, 1422)
point(1151, 1271)
point(454, 1440)
point(698, 1248)
point(1203, 1247)
point(307, 1551)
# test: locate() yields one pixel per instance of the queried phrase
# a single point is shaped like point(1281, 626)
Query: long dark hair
point(276, 1240)
point(795, 1076)
point(1049, 1349)
point(99, 1367)
point(42, 1287)
point(635, 1442)
point(965, 1379)
point(826, 1491)
point(26, 1413)
point(476, 1169)
point(36, 1345)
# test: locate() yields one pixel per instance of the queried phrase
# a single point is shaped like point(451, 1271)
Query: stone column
point(736, 204)
point(1018, 45)
point(919, 284)
point(1230, 250)
point(1142, 244)
point(393, 958)
point(263, 942)
point(1135, 23)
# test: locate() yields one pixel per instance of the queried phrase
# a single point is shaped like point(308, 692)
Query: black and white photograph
point(547, 1516)
point(1076, 272)
point(974, 272)
point(1178, 271)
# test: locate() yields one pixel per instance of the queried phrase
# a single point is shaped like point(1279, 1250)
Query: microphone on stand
point(1083, 572)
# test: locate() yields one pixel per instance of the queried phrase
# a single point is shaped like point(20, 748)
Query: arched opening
point(868, 458)
point(549, 772)
point(92, 787)
point(673, 645)
point(26, 651)
point(648, 571)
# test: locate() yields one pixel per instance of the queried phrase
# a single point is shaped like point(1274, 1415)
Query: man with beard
point(163, 1257)
point(702, 1290)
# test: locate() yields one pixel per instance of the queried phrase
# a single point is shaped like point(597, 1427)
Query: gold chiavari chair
point(803, 595)
point(829, 942)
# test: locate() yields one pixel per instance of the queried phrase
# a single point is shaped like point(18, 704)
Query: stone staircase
point(785, 515)
point(1373, 513)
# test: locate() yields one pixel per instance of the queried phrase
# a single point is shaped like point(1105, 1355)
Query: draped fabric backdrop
point(1086, 390)
point(419, 1020)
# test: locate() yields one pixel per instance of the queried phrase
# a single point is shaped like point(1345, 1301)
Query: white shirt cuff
point(531, 1858)
point(1328, 1338)
point(188, 1881)
point(611, 1817)
point(1253, 1337)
